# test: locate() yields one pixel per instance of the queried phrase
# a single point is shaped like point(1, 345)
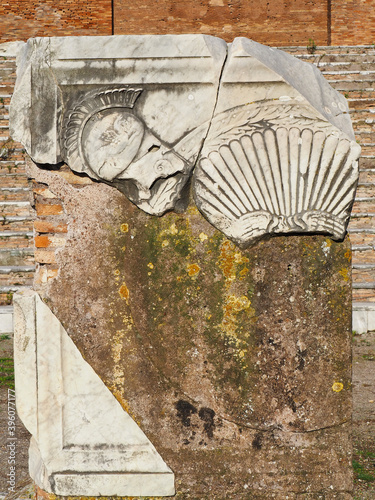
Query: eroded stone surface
point(236, 363)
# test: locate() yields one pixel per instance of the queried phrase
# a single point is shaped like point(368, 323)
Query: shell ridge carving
point(233, 172)
point(236, 163)
point(272, 158)
point(282, 144)
point(244, 166)
point(336, 181)
point(265, 170)
point(338, 162)
point(326, 162)
point(258, 171)
point(316, 180)
point(249, 153)
point(216, 207)
point(294, 135)
point(337, 204)
point(307, 141)
point(315, 158)
point(213, 190)
point(216, 158)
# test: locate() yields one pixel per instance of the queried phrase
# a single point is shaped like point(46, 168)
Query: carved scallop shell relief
point(275, 169)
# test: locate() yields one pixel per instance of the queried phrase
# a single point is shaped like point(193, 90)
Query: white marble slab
point(280, 155)
point(84, 442)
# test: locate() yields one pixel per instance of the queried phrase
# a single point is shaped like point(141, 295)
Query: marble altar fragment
point(266, 141)
point(280, 155)
point(131, 111)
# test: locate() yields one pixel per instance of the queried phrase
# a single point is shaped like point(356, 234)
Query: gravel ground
point(364, 415)
point(363, 423)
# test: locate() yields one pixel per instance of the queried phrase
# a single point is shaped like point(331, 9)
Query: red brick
point(43, 226)
point(43, 209)
point(23, 19)
point(45, 241)
point(45, 256)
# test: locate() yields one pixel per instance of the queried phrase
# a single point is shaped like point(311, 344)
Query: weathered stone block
point(233, 361)
point(240, 359)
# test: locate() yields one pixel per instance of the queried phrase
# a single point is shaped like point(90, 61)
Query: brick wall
point(353, 22)
point(23, 19)
point(275, 22)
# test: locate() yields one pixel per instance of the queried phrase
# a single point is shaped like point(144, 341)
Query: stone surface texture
point(234, 361)
point(225, 357)
point(273, 142)
point(83, 442)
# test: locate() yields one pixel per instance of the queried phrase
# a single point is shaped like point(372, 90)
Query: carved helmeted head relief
point(104, 137)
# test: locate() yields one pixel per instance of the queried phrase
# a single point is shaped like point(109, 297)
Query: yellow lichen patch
point(337, 387)
point(244, 272)
point(238, 303)
point(118, 395)
point(171, 230)
point(348, 255)
point(344, 273)
point(203, 237)
point(193, 210)
point(124, 228)
point(193, 269)
point(229, 260)
point(150, 265)
point(124, 292)
point(231, 307)
point(118, 371)
point(116, 272)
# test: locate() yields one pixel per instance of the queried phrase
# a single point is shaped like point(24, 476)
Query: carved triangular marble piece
point(79, 430)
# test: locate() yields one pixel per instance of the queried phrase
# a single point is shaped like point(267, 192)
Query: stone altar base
point(236, 364)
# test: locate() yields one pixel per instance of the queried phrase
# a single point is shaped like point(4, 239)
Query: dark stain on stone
point(184, 411)
point(301, 358)
point(257, 441)
point(292, 404)
point(208, 416)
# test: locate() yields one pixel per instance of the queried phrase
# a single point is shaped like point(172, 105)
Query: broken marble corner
point(66, 407)
point(270, 140)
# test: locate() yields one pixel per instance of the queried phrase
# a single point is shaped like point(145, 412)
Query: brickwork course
point(275, 22)
point(288, 23)
point(23, 19)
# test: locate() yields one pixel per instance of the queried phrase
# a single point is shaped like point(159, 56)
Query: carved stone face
point(105, 136)
point(110, 142)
